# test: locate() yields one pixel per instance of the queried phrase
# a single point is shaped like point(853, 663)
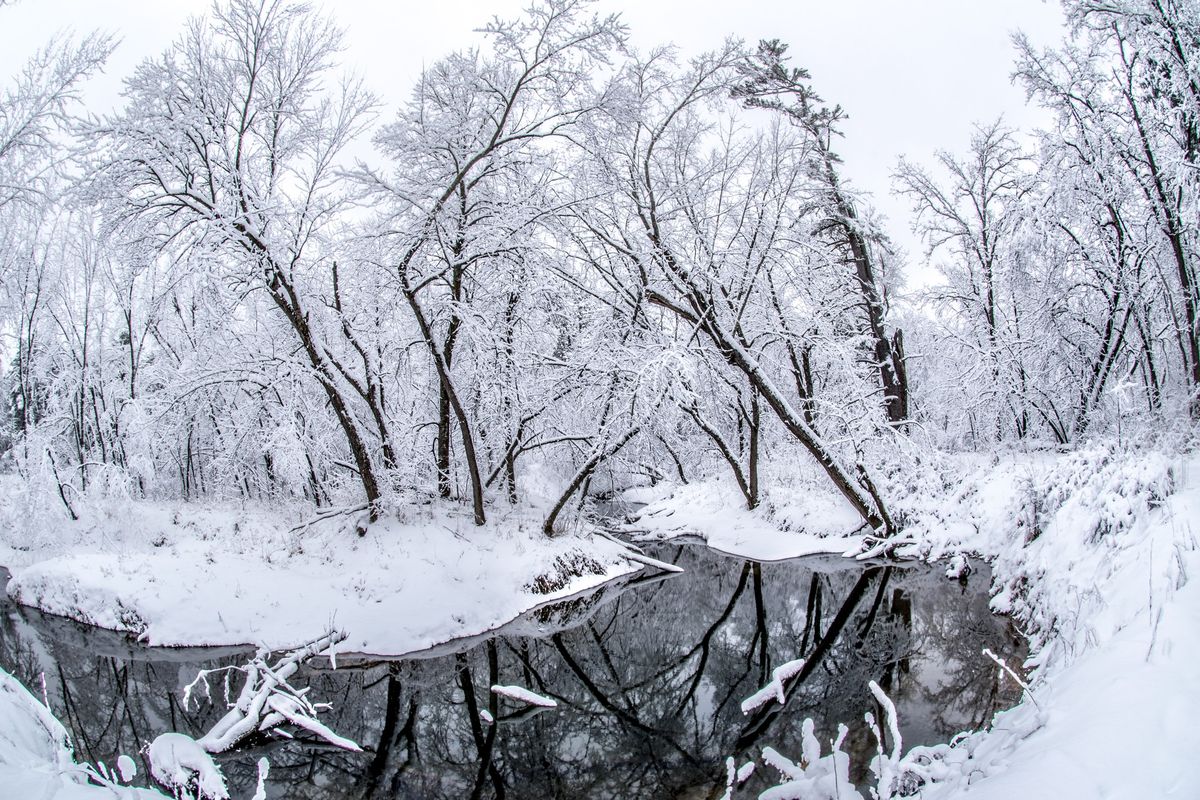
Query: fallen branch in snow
point(1004, 666)
point(523, 695)
point(265, 702)
point(881, 547)
point(330, 513)
point(774, 687)
point(652, 562)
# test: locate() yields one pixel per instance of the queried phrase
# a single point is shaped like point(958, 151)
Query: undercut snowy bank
point(179, 576)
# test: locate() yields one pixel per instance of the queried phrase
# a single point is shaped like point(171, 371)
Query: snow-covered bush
point(1069, 517)
point(827, 777)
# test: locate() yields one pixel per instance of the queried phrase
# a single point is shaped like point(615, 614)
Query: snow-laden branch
point(774, 688)
point(266, 701)
point(523, 695)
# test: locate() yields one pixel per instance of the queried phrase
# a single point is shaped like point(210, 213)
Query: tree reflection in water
point(649, 677)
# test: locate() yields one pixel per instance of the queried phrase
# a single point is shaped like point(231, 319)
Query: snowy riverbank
point(1091, 554)
point(1090, 551)
point(210, 576)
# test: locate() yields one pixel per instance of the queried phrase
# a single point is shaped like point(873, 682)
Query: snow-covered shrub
point(827, 777)
point(565, 569)
point(1074, 511)
point(815, 776)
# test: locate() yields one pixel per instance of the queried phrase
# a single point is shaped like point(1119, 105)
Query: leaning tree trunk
point(599, 457)
point(288, 302)
point(888, 358)
point(733, 351)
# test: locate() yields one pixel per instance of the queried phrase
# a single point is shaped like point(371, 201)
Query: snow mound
point(791, 521)
point(36, 760)
point(176, 760)
point(227, 579)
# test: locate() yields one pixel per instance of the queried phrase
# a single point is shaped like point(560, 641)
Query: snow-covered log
point(523, 695)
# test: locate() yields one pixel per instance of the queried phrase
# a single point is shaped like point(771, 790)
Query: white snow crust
point(218, 576)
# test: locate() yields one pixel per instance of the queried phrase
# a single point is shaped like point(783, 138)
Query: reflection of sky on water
point(649, 678)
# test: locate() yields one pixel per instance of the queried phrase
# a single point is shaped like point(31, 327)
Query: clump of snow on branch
point(774, 687)
point(735, 776)
point(523, 695)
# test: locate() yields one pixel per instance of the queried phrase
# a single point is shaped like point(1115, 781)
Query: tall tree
point(466, 153)
point(768, 82)
point(973, 215)
point(1130, 79)
point(685, 223)
point(228, 145)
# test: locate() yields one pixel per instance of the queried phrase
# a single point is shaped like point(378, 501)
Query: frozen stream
point(648, 674)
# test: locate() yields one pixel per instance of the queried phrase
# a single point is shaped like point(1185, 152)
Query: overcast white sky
point(913, 76)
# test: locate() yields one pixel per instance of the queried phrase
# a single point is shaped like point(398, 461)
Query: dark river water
point(649, 675)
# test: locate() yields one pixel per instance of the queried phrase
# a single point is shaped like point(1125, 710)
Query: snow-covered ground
point(1091, 553)
point(207, 576)
point(789, 523)
point(36, 761)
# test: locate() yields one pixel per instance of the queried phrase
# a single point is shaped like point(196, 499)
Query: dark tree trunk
point(288, 302)
point(460, 414)
point(584, 473)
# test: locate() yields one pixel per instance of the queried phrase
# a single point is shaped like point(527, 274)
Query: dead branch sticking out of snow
point(266, 701)
point(953, 766)
point(827, 777)
point(774, 687)
point(523, 695)
point(331, 513)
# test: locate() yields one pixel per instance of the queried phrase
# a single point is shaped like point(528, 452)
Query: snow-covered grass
point(192, 575)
